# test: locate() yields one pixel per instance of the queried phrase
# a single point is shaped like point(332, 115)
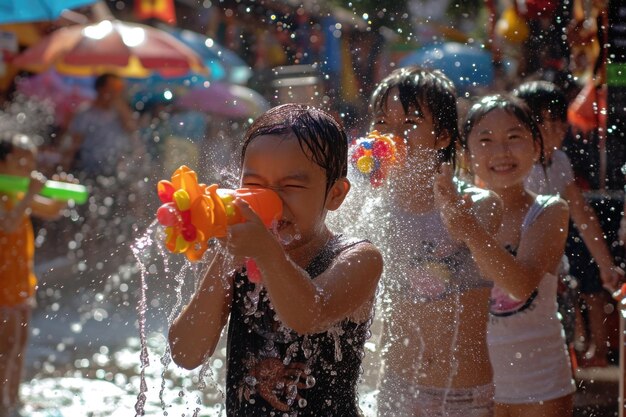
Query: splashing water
point(142, 244)
point(378, 221)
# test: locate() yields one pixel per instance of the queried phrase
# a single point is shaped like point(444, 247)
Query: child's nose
point(504, 148)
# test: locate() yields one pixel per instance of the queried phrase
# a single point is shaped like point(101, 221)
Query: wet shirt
point(17, 250)
point(105, 142)
point(427, 264)
point(274, 371)
point(542, 301)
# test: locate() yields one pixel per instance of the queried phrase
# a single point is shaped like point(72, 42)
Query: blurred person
point(101, 135)
point(17, 280)
point(434, 341)
point(105, 150)
point(555, 176)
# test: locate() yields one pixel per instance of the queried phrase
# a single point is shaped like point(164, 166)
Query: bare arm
point(539, 251)
point(46, 208)
point(11, 219)
point(306, 305)
point(590, 230)
point(196, 331)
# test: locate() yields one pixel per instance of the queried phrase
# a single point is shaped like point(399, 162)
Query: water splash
point(142, 244)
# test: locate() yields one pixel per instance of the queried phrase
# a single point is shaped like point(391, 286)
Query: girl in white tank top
point(526, 343)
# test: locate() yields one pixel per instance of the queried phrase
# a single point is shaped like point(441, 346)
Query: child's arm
point(540, 250)
point(46, 208)
point(10, 220)
point(196, 331)
point(592, 234)
point(305, 305)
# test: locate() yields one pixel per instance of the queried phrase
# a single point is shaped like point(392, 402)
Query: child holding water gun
point(295, 340)
point(548, 106)
point(532, 373)
point(17, 246)
point(435, 356)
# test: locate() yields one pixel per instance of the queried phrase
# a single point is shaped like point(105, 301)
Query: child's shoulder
point(545, 201)
point(550, 208)
point(342, 243)
point(356, 249)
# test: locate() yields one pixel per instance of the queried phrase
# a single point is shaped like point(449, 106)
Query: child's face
point(20, 162)
point(416, 128)
point(502, 150)
point(278, 162)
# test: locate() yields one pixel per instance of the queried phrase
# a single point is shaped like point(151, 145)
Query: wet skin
point(427, 329)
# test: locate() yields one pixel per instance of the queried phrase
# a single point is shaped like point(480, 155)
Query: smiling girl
point(526, 344)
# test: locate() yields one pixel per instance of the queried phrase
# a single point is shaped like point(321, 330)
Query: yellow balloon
point(512, 27)
point(365, 164)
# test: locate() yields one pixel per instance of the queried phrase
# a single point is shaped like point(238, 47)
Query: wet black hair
point(9, 141)
point(543, 96)
point(101, 80)
point(317, 132)
point(510, 104)
point(419, 87)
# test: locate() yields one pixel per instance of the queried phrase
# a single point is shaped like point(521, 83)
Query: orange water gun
point(194, 213)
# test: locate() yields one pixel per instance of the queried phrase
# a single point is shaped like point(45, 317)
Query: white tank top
point(513, 320)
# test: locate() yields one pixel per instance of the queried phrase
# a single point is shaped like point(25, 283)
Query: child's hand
point(37, 181)
point(454, 208)
point(65, 177)
point(249, 239)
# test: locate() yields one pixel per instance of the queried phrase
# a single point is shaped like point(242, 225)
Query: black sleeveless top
point(274, 371)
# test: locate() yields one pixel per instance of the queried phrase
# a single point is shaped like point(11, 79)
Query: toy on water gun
point(55, 190)
point(193, 213)
point(374, 154)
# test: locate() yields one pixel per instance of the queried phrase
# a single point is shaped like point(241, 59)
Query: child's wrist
point(270, 252)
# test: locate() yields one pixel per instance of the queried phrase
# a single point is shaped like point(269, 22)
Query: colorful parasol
point(126, 49)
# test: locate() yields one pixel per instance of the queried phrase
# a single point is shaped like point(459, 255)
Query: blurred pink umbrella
point(49, 87)
point(233, 101)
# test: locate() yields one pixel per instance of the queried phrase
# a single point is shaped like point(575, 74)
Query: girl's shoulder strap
point(540, 204)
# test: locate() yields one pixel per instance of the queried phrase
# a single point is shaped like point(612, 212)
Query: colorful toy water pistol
point(56, 190)
point(374, 154)
point(193, 213)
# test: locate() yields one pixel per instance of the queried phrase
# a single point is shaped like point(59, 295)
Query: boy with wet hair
point(548, 106)
point(295, 342)
point(17, 247)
